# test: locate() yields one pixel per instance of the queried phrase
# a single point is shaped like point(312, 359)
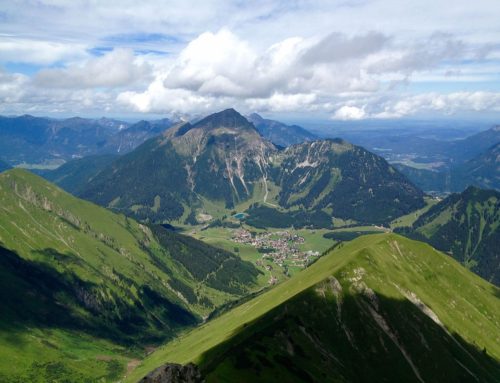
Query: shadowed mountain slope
point(397, 307)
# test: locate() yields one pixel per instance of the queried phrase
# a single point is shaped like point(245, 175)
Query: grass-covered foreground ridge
point(84, 290)
point(397, 307)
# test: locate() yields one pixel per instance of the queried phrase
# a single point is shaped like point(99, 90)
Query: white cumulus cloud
point(116, 68)
point(347, 112)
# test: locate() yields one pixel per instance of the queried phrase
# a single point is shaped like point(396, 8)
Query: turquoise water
point(240, 215)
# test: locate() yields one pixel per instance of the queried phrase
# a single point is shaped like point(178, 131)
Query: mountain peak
point(229, 118)
point(255, 117)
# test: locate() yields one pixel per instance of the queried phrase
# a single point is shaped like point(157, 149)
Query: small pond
point(240, 216)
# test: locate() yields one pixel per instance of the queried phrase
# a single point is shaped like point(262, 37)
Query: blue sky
point(340, 60)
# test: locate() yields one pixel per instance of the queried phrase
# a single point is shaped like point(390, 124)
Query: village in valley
point(280, 247)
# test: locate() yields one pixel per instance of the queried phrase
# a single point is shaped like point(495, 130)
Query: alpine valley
point(242, 249)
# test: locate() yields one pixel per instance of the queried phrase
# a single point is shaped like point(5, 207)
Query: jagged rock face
point(350, 180)
point(174, 373)
point(224, 156)
point(220, 158)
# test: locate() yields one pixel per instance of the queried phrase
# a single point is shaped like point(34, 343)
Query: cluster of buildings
point(279, 247)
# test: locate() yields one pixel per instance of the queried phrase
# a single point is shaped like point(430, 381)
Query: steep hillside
point(482, 171)
point(71, 269)
point(467, 226)
point(222, 163)
point(279, 133)
point(425, 179)
point(398, 308)
point(351, 181)
point(74, 175)
point(225, 156)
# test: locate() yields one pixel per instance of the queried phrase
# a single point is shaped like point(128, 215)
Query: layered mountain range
point(223, 161)
point(482, 171)
point(33, 140)
point(477, 164)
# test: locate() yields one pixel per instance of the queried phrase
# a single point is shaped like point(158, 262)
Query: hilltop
point(351, 181)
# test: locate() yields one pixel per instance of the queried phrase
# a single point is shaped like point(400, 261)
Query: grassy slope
point(113, 241)
point(467, 226)
point(96, 264)
point(466, 304)
point(409, 219)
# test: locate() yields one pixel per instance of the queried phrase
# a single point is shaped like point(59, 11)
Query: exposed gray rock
point(174, 373)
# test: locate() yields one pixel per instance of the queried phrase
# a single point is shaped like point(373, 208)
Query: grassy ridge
point(79, 277)
point(393, 266)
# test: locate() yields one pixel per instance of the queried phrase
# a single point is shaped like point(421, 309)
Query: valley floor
point(292, 249)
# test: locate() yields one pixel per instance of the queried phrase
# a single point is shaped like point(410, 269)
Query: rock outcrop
point(174, 373)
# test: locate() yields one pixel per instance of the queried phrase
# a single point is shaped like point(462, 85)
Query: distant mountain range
point(222, 163)
point(466, 226)
point(280, 134)
point(37, 140)
point(381, 308)
point(444, 147)
point(475, 145)
point(482, 171)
